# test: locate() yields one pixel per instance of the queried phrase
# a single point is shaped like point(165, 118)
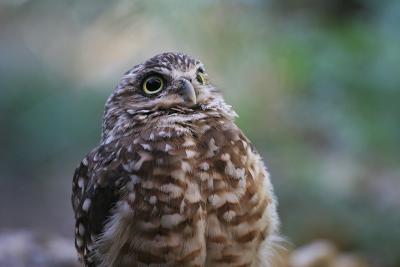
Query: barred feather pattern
point(173, 186)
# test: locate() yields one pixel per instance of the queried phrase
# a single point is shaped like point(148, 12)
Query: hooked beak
point(187, 92)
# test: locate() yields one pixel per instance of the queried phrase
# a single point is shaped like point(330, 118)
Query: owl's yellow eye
point(201, 78)
point(153, 85)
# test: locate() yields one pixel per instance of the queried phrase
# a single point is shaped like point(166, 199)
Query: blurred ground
point(315, 82)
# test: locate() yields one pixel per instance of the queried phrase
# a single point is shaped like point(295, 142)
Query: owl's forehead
point(171, 63)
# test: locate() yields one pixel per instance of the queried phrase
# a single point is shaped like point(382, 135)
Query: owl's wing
point(96, 189)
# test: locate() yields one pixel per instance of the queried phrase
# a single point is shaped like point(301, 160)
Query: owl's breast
point(198, 195)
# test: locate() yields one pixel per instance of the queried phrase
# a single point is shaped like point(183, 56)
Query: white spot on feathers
point(225, 157)
point(216, 201)
point(229, 215)
point(146, 146)
point(79, 242)
point(153, 200)
point(125, 208)
point(212, 148)
point(231, 198)
point(167, 147)
point(190, 153)
point(81, 229)
point(109, 139)
point(232, 171)
point(171, 220)
point(178, 175)
point(219, 200)
point(204, 176)
point(186, 166)
point(81, 182)
point(151, 137)
point(204, 166)
point(171, 189)
point(132, 197)
point(193, 193)
point(188, 142)
point(86, 204)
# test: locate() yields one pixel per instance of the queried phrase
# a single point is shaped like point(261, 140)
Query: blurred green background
point(315, 83)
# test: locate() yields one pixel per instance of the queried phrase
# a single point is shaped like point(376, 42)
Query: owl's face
point(165, 81)
point(166, 84)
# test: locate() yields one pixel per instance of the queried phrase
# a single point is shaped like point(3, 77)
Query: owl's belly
point(197, 239)
point(221, 237)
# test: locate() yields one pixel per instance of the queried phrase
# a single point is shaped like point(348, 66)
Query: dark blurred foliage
point(315, 82)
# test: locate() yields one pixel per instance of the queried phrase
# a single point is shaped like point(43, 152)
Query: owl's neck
point(121, 123)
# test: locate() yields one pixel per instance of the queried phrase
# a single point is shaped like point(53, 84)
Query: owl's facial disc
point(172, 82)
point(168, 85)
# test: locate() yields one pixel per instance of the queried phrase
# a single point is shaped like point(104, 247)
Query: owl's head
point(166, 84)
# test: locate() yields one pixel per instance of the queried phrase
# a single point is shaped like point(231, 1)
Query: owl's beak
point(187, 92)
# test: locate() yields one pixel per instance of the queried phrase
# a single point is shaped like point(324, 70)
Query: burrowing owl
point(173, 182)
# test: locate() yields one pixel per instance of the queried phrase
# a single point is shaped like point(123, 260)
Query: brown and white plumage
point(174, 182)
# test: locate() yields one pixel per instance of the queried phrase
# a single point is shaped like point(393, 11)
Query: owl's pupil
point(153, 84)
